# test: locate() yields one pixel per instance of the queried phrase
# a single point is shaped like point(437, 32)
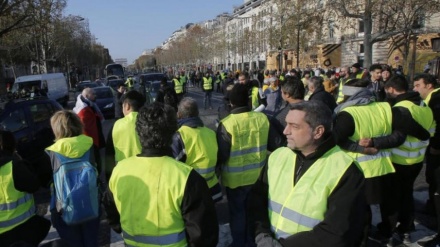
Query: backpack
point(76, 189)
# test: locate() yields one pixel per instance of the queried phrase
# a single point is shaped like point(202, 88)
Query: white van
point(54, 86)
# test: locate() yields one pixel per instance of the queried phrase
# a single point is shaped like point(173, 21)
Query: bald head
point(88, 93)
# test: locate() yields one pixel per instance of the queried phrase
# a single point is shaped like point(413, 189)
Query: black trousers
point(398, 205)
point(31, 232)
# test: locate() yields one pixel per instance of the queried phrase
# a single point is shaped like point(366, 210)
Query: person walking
point(310, 193)
point(122, 140)
point(70, 142)
point(427, 86)
point(91, 117)
point(18, 221)
point(196, 145)
point(207, 88)
point(242, 142)
point(178, 88)
point(155, 200)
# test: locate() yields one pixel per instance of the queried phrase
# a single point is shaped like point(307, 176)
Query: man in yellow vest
point(428, 88)
point(407, 158)
point(122, 140)
point(129, 83)
point(196, 145)
point(242, 142)
point(344, 78)
point(18, 221)
point(357, 72)
point(178, 87)
point(155, 200)
point(310, 193)
point(207, 88)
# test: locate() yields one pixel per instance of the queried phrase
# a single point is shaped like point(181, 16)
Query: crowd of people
point(300, 156)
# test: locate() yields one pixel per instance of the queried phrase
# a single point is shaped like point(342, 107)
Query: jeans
point(82, 235)
point(238, 218)
point(207, 101)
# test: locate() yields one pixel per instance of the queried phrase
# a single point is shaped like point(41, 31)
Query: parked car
point(52, 85)
point(85, 84)
point(151, 84)
point(29, 121)
point(114, 83)
point(105, 101)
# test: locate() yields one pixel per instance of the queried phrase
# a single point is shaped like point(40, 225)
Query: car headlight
point(108, 106)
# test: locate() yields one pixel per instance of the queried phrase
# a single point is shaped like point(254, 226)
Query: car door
point(14, 119)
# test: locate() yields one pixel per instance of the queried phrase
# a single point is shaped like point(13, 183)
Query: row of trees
point(300, 25)
point(36, 36)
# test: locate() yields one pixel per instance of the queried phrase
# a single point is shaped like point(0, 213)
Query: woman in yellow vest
point(155, 200)
point(18, 221)
point(310, 193)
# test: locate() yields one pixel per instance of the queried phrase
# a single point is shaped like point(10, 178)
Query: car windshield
point(155, 87)
point(102, 93)
point(19, 87)
point(152, 77)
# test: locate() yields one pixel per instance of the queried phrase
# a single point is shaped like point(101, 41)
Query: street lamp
point(279, 57)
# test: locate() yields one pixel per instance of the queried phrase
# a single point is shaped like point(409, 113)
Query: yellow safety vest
point(249, 132)
point(428, 98)
point(254, 95)
point(340, 94)
point(129, 82)
point(372, 120)
point(16, 207)
point(223, 76)
point(183, 79)
point(300, 207)
point(281, 78)
point(201, 151)
point(125, 139)
point(413, 150)
point(359, 75)
point(148, 194)
point(178, 86)
point(207, 83)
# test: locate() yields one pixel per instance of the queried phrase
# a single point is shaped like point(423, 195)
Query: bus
point(114, 71)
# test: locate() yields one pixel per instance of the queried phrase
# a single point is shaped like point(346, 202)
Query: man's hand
point(365, 142)
point(370, 151)
point(266, 240)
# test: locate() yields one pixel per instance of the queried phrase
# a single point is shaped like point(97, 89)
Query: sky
point(128, 27)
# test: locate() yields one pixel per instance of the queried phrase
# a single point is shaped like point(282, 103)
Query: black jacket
point(342, 225)
point(23, 175)
point(198, 211)
point(321, 95)
point(377, 88)
point(434, 104)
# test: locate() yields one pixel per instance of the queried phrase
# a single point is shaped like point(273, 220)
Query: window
point(41, 112)
point(361, 26)
point(15, 121)
point(361, 48)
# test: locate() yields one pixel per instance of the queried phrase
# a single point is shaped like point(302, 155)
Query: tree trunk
point(368, 44)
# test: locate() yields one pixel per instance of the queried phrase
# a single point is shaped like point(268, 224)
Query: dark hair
point(397, 82)
point(135, 99)
point(294, 87)
point(330, 73)
point(156, 124)
point(316, 81)
point(427, 79)
point(188, 108)
point(387, 68)
point(7, 142)
point(373, 67)
point(317, 113)
point(239, 95)
point(163, 81)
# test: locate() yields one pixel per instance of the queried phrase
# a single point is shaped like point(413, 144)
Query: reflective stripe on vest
point(162, 222)
point(300, 207)
point(207, 83)
point(201, 151)
point(155, 240)
point(178, 86)
point(412, 151)
point(15, 206)
point(248, 151)
point(125, 139)
point(372, 120)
